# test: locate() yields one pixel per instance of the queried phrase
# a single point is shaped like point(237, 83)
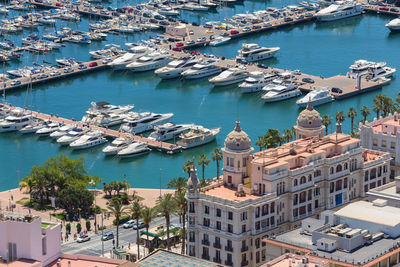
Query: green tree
point(76, 201)
point(272, 138)
point(78, 227)
point(203, 162)
point(136, 212)
point(166, 206)
point(388, 106)
point(287, 135)
point(118, 210)
point(352, 113)
point(187, 167)
point(339, 116)
point(326, 121)
point(68, 228)
point(378, 104)
point(261, 142)
point(217, 156)
point(365, 112)
point(179, 183)
point(181, 208)
point(147, 216)
point(88, 225)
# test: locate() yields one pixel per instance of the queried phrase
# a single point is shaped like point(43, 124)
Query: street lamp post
point(92, 183)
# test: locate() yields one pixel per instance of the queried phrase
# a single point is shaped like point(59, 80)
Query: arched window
point(283, 187)
point(302, 180)
point(339, 168)
point(309, 177)
point(331, 170)
point(295, 182)
point(345, 166)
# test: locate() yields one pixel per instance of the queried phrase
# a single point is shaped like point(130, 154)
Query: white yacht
point(195, 7)
point(151, 61)
point(133, 150)
point(220, 40)
point(146, 122)
point(359, 68)
point(15, 121)
point(256, 82)
point(373, 70)
point(394, 25)
point(71, 136)
point(316, 97)
point(168, 11)
point(339, 10)
point(32, 127)
point(4, 111)
point(108, 119)
point(116, 145)
point(254, 52)
point(88, 140)
point(121, 62)
point(229, 76)
point(49, 129)
point(176, 67)
point(63, 130)
point(197, 136)
point(105, 107)
point(201, 70)
point(280, 92)
point(67, 62)
point(169, 131)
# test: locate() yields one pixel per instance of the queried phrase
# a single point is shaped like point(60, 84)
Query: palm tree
point(166, 206)
point(203, 162)
point(181, 208)
point(326, 121)
point(136, 211)
point(118, 210)
point(217, 156)
point(378, 104)
point(260, 142)
point(187, 167)
point(365, 112)
point(147, 216)
point(339, 116)
point(388, 106)
point(179, 183)
point(351, 114)
point(287, 135)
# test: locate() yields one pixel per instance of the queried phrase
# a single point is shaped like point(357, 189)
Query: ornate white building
point(271, 191)
point(309, 123)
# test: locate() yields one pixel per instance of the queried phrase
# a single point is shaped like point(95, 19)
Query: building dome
point(237, 140)
point(309, 118)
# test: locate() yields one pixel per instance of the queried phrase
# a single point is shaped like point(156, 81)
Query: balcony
point(205, 242)
point(217, 260)
point(217, 245)
point(228, 263)
point(243, 249)
point(205, 257)
point(229, 248)
point(192, 240)
point(244, 263)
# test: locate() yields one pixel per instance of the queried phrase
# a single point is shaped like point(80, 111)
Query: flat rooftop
point(22, 263)
point(294, 260)
point(163, 258)
point(387, 191)
point(228, 193)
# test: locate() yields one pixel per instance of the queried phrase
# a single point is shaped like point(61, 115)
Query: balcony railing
point(205, 257)
point(246, 248)
point(217, 260)
point(229, 263)
point(217, 245)
point(244, 263)
point(229, 248)
point(192, 240)
point(205, 242)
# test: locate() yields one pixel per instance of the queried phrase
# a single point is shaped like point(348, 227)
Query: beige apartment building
point(268, 192)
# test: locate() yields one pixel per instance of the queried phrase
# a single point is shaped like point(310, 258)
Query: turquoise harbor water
point(317, 48)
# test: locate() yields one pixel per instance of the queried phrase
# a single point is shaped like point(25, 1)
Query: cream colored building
point(271, 191)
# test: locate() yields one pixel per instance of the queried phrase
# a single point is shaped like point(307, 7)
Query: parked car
point(224, 34)
point(106, 60)
point(267, 24)
point(139, 226)
point(83, 238)
point(68, 70)
point(246, 29)
point(234, 31)
point(42, 76)
point(159, 17)
point(153, 21)
point(190, 42)
point(336, 90)
point(177, 48)
point(191, 32)
point(14, 83)
point(82, 67)
point(59, 4)
point(201, 39)
point(129, 224)
point(195, 24)
point(307, 80)
point(300, 17)
point(287, 19)
point(55, 73)
point(179, 44)
point(164, 22)
point(107, 236)
point(393, 9)
point(93, 64)
point(384, 8)
point(308, 14)
point(257, 26)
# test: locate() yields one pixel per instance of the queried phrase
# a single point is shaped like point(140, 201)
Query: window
point(295, 182)
point(218, 212)
point(338, 185)
point(243, 216)
point(345, 183)
point(385, 168)
point(309, 207)
point(366, 176)
point(302, 180)
point(206, 222)
point(244, 162)
point(191, 207)
point(257, 225)
point(257, 212)
point(230, 215)
point(317, 173)
point(192, 237)
point(316, 204)
point(372, 185)
point(331, 187)
point(257, 242)
point(272, 207)
point(303, 197)
point(331, 170)
point(383, 143)
point(243, 228)
point(295, 212)
point(206, 209)
point(295, 199)
point(205, 237)
point(257, 256)
point(309, 177)
point(392, 145)
point(229, 179)
point(217, 256)
point(192, 251)
point(366, 188)
point(317, 191)
point(309, 197)
point(380, 171)
point(346, 166)
point(272, 220)
point(339, 168)
point(265, 209)
point(373, 174)
point(230, 228)
point(217, 240)
point(374, 142)
point(302, 210)
point(218, 225)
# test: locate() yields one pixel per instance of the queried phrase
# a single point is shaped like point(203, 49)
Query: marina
point(301, 47)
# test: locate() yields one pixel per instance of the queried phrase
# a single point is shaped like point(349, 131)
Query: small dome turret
point(237, 140)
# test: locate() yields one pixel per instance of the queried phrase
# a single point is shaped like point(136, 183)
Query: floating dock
point(157, 145)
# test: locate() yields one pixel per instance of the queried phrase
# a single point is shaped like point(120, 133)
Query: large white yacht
point(176, 67)
point(49, 129)
point(133, 150)
point(202, 69)
point(169, 131)
point(105, 107)
point(88, 140)
point(151, 61)
point(339, 10)
point(108, 119)
point(63, 130)
point(15, 121)
point(316, 97)
point(32, 127)
point(254, 52)
point(71, 136)
point(121, 62)
point(116, 145)
point(197, 136)
point(374, 70)
point(220, 40)
point(229, 76)
point(146, 122)
point(256, 82)
point(281, 92)
point(394, 25)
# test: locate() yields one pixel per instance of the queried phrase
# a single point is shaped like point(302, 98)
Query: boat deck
point(158, 145)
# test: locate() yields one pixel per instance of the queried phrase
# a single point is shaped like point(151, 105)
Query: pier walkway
point(157, 145)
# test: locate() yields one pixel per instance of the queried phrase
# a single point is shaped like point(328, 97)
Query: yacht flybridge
point(229, 76)
point(373, 70)
point(339, 10)
point(169, 131)
point(176, 67)
point(15, 121)
point(394, 25)
point(145, 122)
point(201, 70)
point(149, 62)
point(254, 52)
point(134, 53)
point(316, 97)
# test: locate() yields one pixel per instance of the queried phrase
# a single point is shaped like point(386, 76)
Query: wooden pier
point(156, 145)
point(382, 10)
